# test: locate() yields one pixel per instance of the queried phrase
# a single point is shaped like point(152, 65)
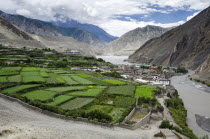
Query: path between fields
point(28, 124)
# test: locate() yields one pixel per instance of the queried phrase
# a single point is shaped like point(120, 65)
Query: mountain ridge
point(186, 45)
point(43, 28)
point(132, 40)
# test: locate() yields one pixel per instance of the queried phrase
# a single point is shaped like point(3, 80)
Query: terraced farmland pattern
point(71, 92)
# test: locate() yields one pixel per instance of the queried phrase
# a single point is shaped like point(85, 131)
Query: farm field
point(127, 90)
point(145, 91)
point(65, 89)
point(81, 80)
point(76, 103)
point(114, 81)
point(89, 93)
point(41, 95)
point(17, 89)
point(60, 99)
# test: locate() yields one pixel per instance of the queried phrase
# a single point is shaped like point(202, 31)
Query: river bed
point(196, 97)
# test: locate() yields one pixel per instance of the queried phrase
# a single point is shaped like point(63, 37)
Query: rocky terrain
point(186, 45)
point(131, 41)
point(42, 28)
point(13, 36)
point(203, 122)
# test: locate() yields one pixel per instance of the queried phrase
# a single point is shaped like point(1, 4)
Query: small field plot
point(137, 116)
point(33, 79)
point(83, 75)
point(68, 80)
point(104, 108)
point(117, 114)
point(145, 91)
point(81, 80)
point(76, 103)
point(5, 73)
point(41, 95)
point(53, 81)
point(65, 89)
point(44, 74)
point(20, 88)
point(15, 78)
point(89, 93)
point(121, 101)
point(31, 69)
point(126, 90)
point(60, 71)
point(12, 68)
point(114, 81)
point(27, 73)
point(3, 79)
point(99, 82)
point(60, 99)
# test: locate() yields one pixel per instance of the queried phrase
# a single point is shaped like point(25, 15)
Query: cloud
point(100, 12)
point(118, 27)
point(23, 12)
point(190, 17)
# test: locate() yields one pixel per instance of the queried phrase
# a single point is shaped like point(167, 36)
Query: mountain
point(42, 28)
point(13, 36)
point(187, 45)
point(100, 33)
point(131, 41)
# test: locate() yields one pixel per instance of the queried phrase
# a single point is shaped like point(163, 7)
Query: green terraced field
point(33, 79)
point(60, 99)
point(83, 75)
point(3, 79)
point(5, 73)
point(117, 82)
point(81, 80)
point(44, 74)
point(99, 82)
point(27, 73)
point(65, 89)
point(15, 78)
point(126, 90)
point(28, 69)
point(41, 95)
point(117, 114)
point(12, 68)
point(89, 93)
point(121, 101)
point(76, 103)
point(68, 80)
point(53, 81)
point(145, 91)
point(20, 88)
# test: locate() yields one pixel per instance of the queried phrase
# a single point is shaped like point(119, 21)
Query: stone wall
point(143, 121)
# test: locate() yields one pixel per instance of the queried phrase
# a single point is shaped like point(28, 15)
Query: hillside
point(42, 28)
point(131, 41)
point(13, 36)
point(186, 45)
point(95, 30)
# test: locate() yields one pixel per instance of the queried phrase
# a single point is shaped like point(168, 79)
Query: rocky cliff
point(187, 45)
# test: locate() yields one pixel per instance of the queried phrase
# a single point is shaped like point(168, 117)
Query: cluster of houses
point(151, 75)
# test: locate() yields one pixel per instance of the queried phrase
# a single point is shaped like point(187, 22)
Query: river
point(196, 97)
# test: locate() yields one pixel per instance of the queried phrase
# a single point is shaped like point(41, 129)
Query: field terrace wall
point(142, 122)
point(54, 115)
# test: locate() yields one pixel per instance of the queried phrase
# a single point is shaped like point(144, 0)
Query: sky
point(114, 16)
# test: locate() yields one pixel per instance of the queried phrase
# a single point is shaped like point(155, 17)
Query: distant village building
point(164, 82)
point(72, 52)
